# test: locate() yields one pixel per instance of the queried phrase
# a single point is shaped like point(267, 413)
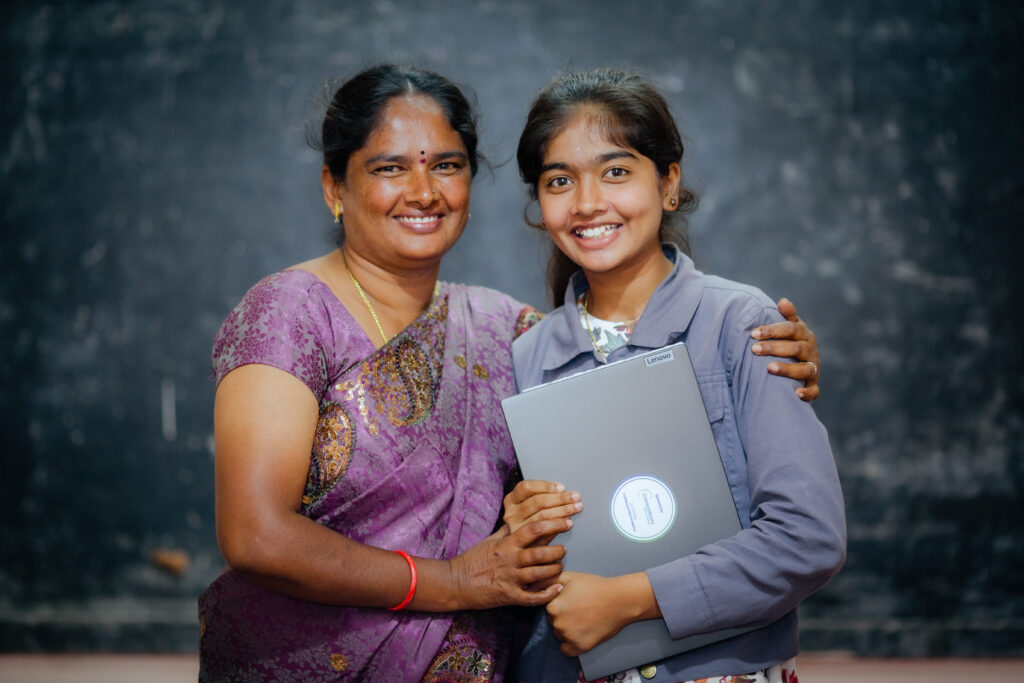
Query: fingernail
point(756, 333)
point(575, 495)
point(558, 587)
point(559, 487)
point(569, 522)
point(578, 506)
point(756, 348)
point(773, 367)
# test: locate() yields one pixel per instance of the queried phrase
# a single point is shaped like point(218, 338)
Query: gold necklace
point(586, 318)
point(362, 295)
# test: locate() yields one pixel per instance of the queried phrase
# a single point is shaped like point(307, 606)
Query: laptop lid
point(633, 438)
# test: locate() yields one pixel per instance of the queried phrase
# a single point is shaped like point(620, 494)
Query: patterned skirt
point(474, 651)
point(780, 673)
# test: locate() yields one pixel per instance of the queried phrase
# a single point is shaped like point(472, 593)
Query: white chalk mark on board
point(169, 418)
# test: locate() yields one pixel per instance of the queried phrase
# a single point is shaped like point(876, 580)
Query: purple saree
point(410, 453)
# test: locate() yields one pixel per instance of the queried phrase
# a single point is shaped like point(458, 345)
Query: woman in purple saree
point(409, 453)
point(357, 417)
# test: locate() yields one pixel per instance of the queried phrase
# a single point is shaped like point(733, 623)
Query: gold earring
point(337, 212)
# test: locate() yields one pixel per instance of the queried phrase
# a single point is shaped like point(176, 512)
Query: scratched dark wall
point(861, 158)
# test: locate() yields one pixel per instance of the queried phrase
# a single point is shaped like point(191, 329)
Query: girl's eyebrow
point(558, 165)
point(617, 154)
point(403, 159)
point(601, 159)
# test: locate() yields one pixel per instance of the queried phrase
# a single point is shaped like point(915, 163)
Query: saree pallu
point(410, 453)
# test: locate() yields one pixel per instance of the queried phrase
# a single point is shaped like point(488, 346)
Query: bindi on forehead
point(423, 158)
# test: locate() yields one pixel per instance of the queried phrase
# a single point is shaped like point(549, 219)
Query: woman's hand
point(793, 340)
point(590, 609)
point(533, 500)
point(264, 423)
point(501, 569)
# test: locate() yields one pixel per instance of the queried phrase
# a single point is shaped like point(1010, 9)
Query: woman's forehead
point(413, 121)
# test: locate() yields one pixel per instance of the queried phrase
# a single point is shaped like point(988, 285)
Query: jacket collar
point(666, 317)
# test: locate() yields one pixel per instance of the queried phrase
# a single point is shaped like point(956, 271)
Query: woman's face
point(405, 196)
point(602, 203)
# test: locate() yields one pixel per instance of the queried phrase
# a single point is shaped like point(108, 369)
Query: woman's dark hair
point(355, 109)
point(629, 112)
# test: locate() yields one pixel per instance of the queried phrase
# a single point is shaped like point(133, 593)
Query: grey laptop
point(633, 438)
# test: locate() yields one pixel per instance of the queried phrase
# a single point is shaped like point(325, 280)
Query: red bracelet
point(412, 584)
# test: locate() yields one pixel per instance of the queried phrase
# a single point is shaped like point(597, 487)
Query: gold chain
point(362, 295)
point(586, 318)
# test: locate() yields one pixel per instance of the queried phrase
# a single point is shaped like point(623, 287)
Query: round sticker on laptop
point(643, 508)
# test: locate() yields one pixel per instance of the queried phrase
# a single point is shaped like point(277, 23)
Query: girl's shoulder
point(733, 293)
point(719, 333)
point(736, 305)
point(547, 335)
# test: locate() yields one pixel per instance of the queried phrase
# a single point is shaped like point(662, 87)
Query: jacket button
point(648, 671)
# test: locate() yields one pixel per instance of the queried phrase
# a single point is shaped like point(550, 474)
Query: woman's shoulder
point(496, 306)
point(291, 284)
point(542, 328)
point(482, 299)
point(281, 298)
point(285, 321)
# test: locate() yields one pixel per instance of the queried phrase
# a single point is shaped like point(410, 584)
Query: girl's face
point(405, 196)
point(601, 203)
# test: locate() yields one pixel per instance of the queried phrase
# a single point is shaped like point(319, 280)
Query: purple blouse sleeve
point(280, 322)
point(528, 317)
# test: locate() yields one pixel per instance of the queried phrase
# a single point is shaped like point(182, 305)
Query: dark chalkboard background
point(861, 158)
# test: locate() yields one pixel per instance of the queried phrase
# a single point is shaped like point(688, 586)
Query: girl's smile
point(596, 232)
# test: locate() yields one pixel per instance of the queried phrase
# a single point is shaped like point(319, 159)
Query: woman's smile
point(421, 223)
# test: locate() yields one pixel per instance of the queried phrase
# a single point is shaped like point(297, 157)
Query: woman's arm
point(793, 339)
point(264, 420)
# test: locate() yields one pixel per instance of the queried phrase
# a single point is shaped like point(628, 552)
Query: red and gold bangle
point(412, 584)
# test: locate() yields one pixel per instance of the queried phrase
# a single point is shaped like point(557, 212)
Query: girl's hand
point(499, 570)
point(590, 609)
point(533, 500)
point(794, 340)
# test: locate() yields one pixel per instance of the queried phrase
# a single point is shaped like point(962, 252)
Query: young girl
point(601, 154)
